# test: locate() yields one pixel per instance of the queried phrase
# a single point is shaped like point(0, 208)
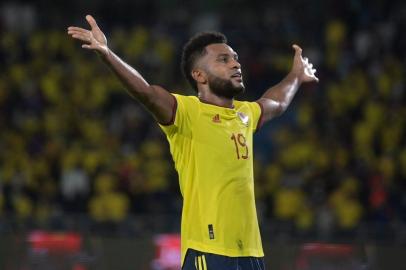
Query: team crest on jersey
point(244, 118)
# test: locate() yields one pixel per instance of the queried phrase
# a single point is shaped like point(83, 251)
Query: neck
point(211, 98)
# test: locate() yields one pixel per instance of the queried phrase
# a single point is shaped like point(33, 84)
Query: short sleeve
point(180, 117)
point(257, 113)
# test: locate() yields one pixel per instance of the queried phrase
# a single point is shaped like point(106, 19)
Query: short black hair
point(195, 48)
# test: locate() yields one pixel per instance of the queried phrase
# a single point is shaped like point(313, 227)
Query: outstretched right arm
point(156, 99)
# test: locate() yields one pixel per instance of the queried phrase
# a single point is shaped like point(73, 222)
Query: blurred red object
point(167, 252)
point(52, 242)
point(322, 253)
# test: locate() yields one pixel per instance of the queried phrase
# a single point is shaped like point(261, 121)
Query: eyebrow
point(235, 55)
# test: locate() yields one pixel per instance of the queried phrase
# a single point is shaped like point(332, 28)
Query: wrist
point(104, 53)
point(295, 77)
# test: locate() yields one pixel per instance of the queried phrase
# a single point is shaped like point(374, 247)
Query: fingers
point(88, 36)
point(87, 46)
point(311, 72)
point(91, 21)
point(80, 33)
point(81, 36)
point(297, 49)
point(306, 60)
point(306, 66)
point(77, 29)
point(84, 36)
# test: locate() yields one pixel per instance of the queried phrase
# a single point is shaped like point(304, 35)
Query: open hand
point(302, 67)
point(93, 39)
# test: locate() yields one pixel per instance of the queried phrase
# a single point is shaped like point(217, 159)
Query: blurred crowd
point(77, 151)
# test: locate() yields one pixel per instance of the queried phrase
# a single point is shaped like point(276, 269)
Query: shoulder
point(252, 109)
point(187, 108)
point(186, 100)
point(248, 106)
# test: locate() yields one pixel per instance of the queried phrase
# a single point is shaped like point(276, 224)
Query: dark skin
point(220, 61)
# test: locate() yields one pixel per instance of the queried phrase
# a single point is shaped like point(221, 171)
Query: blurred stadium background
point(86, 179)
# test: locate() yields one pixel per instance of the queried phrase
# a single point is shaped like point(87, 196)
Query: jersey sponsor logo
point(244, 118)
point(216, 118)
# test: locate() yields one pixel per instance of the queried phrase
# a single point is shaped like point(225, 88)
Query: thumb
point(91, 21)
point(298, 50)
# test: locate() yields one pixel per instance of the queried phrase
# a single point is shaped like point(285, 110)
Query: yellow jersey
point(212, 150)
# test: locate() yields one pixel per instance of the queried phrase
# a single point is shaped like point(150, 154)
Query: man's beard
point(224, 88)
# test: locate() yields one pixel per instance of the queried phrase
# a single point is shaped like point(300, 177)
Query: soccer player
point(210, 137)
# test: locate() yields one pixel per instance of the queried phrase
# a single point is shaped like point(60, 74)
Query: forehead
point(219, 48)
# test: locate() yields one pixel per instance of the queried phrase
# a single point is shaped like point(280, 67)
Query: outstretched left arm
point(277, 98)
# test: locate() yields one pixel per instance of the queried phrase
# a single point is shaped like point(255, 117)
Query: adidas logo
point(216, 118)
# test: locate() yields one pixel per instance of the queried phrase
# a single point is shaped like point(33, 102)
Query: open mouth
point(237, 75)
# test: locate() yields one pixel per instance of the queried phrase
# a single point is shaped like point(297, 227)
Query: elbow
point(283, 106)
point(280, 108)
point(273, 108)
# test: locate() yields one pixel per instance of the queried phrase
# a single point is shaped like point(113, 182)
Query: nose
point(236, 64)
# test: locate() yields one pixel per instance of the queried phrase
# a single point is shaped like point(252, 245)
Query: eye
point(223, 59)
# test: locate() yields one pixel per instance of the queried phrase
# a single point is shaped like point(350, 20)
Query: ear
point(199, 75)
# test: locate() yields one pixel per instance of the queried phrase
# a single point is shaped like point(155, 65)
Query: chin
point(239, 89)
point(226, 88)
